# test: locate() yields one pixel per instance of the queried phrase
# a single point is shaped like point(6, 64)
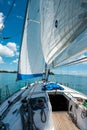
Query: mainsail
point(31, 61)
point(62, 21)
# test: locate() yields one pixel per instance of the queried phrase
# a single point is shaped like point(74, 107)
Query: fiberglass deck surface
point(62, 121)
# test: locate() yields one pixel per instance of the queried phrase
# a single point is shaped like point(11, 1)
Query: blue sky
point(11, 23)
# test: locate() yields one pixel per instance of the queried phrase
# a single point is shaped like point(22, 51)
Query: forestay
point(62, 21)
point(31, 58)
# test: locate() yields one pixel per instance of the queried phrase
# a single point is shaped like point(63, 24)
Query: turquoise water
point(9, 79)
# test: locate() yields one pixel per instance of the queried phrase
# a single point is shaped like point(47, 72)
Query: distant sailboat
point(49, 31)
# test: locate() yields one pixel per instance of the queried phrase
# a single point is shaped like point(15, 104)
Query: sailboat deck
point(62, 121)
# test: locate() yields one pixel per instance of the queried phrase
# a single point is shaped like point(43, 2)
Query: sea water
point(9, 85)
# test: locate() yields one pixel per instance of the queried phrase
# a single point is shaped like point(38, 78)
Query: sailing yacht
point(48, 41)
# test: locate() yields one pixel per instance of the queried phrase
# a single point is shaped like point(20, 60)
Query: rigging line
point(9, 11)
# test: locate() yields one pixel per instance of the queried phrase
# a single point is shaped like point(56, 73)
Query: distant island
point(50, 73)
point(7, 71)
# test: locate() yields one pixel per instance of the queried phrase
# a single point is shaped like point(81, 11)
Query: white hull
point(15, 118)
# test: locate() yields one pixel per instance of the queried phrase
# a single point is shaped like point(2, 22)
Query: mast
point(46, 73)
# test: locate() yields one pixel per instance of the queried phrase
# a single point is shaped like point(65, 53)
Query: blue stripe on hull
point(24, 76)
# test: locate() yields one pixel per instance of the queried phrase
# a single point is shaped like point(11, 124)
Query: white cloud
point(1, 20)
point(12, 46)
point(5, 51)
point(8, 50)
point(1, 60)
point(15, 61)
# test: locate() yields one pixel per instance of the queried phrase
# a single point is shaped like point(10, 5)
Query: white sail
point(71, 52)
point(62, 21)
point(31, 58)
